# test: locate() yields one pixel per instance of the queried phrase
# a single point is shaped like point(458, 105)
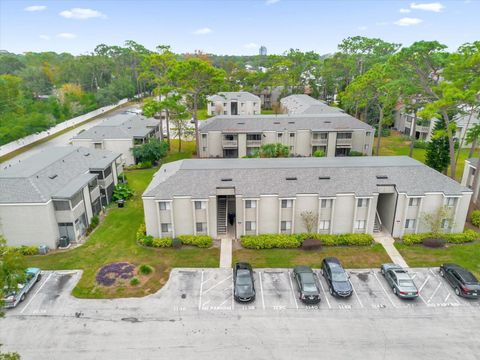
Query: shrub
point(176, 243)
point(434, 242)
point(134, 281)
point(141, 232)
point(145, 269)
point(355, 153)
point(476, 218)
point(420, 144)
point(270, 241)
point(319, 153)
point(146, 241)
point(28, 250)
point(311, 244)
point(202, 241)
point(161, 242)
point(452, 238)
point(122, 192)
point(340, 239)
point(93, 224)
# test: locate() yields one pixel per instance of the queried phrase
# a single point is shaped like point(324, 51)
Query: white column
point(158, 219)
point(419, 211)
point(332, 215)
point(404, 217)
point(172, 219)
point(292, 231)
point(207, 201)
point(194, 218)
point(256, 216)
point(354, 214)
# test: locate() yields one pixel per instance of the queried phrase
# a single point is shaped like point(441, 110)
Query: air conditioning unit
point(64, 242)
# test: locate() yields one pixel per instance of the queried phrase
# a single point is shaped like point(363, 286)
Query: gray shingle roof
point(255, 177)
point(304, 104)
point(258, 123)
point(121, 126)
point(233, 95)
point(53, 171)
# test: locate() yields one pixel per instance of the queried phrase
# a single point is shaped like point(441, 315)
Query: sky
point(233, 27)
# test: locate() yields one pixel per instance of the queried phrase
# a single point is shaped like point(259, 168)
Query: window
point(292, 135)
point(450, 201)
point(97, 145)
point(318, 136)
point(250, 226)
point(204, 136)
point(280, 135)
point(92, 184)
point(75, 200)
point(164, 205)
point(287, 204)
point(107, 171)
point(445, 224)
point(413, 201)
point(250, 204)
point(285, 225)
point(225, 112)
point(201, 226)
point(199, 205)
point(368, 133)
point(326, 203)
point(342, 135)
point(360, 224)
point(256, 137)
point(362, 203)
point(410, 223)
point(324, 225)
point(60, 205)
point(166, 227)
point(204, 148)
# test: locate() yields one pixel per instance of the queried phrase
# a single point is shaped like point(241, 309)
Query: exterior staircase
point(222, 216)
point(377, 225)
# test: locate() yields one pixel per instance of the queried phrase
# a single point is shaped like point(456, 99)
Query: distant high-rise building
point(263, 50)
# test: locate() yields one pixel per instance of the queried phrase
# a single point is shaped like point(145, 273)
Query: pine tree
point(437, 153)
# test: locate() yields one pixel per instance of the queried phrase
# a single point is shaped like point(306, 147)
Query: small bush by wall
point(451, 238)
point(202, 241)
point(476, 218)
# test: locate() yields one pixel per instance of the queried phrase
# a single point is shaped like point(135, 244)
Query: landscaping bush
point(161, 242)
point(146, 240)
point(28, 250)
point(176, 243)
point(434, 242)
point(270, 241)
point(355, 153)
point(93, 224)
point(311, 244)
point(201, 241)
point(340, 239)
point(476, 218)
point(122, 192)
point(145, 165)
point(134, 281)
point(420, 144)
point(451, 238)
point(145, 269)
point(319, 153)
point(141, 232)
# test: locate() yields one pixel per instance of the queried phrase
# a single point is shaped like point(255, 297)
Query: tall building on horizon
point(262, 51)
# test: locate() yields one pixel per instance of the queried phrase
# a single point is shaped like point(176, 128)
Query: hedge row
point(454, 238)
point(476, 218)
point(286, 241)
point(201, 241)
point(24, 250)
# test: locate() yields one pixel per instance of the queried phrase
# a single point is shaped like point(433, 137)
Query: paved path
point(226, 253)
point(387, 242)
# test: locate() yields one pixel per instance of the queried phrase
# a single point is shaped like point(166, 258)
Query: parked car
point(463, 281)
point(400, 281)
point(14, 297)
point(243, 283)
point(336, 277)
point(307, 284)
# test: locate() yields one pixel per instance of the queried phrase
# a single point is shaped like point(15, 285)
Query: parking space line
point(36, 292)
point(443, 281)
point(385, 291)
point(447, 297)
point(424, 283)
point(291, 287)
point(356, 295)
point(324, 292)
point(261, 289)
point(220, 282)
point(201, 290)
point(421, 298)
point(434, 291)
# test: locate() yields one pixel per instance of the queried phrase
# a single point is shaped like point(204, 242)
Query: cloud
point(406, 21)
point(381, 23)
point(271, 2)
point(251, 45)
point(44, 37)
point(363, 27)
point(203, 31)
point(405, 11)
point(35, 8)
point(66, 36)
point(435, 7)
point(82, 14)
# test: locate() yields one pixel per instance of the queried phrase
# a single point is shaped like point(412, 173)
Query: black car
point(243, 284)
point(336, 277)
point(463, 281)
point(307, 284)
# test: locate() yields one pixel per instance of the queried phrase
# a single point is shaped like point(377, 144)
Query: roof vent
point(324, 178)
point(382, 177)
point(277, 122)
point(86, 154)
point(291, 122)
point(53, 176)
point(241, 123)
point(291, 178)
point(327, 122)
point(226, 179)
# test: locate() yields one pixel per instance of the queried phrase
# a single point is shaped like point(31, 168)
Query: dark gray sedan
point(399, 281)
point(243, 284)
point(307, 284)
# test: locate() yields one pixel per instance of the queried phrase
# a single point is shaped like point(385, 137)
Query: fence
point(30, 139)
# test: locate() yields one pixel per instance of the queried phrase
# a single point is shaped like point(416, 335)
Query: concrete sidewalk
point(226, 253)
point(387, 242)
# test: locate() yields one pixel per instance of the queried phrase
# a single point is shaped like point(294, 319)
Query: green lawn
point(467, 255)
point(351, 257)
point(114, 240)
point(188, 148)
point(396, 144)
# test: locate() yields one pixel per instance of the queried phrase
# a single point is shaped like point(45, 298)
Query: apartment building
point(120, 134)
point(234, 197)
point(468, 173)
point(304, 104)
point(233, 103)
point(336, 134)
point(404, 122)
point(55, 193)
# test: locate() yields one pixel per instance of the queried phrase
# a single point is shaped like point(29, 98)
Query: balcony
point(230, 143)
point(344, 142)
point(319, 142)
point(254, 143)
